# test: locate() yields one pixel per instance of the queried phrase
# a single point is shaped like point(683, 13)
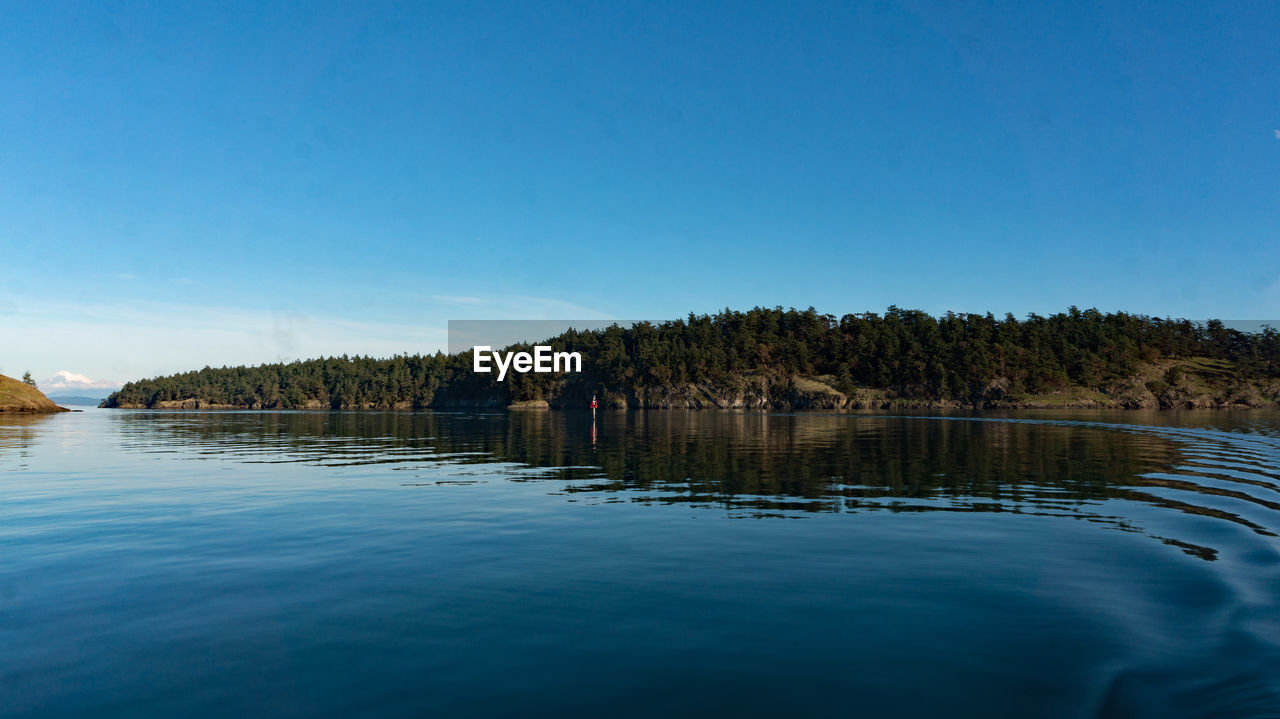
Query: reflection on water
point(1047, 564)
point(786, 465)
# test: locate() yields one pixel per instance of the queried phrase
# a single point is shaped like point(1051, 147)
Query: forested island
point(771, 358)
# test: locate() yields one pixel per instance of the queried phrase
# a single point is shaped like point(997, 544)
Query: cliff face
point(1155, 386)
point(750, 392)
point(1181, 384)
point(812, 394)
point(16, 396)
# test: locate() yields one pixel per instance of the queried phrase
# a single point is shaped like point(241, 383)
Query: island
point(776, 359)
point(18, 396)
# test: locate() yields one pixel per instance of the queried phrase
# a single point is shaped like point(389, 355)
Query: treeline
point(965, 358)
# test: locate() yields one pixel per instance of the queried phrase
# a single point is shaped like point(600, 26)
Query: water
point(392, 564)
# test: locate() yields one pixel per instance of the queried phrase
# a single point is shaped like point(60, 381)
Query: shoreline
point(525, 407)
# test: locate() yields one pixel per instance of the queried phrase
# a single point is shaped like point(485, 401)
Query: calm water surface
point(437, 564)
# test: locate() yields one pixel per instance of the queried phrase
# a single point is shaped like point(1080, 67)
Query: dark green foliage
point(26, 377)
point(958, 357)
point(332, 382)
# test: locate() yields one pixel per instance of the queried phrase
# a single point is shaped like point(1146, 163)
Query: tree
point(906, 353)
point(26, 377)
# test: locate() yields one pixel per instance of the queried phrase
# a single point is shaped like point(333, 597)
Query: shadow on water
point(772, 465)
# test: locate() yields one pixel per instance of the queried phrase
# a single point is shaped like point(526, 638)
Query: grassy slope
point(1200, 382)
point(16, 396)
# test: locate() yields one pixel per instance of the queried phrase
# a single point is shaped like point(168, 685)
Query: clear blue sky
point(182, 185)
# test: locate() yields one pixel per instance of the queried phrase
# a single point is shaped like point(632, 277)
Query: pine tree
point(26, 377)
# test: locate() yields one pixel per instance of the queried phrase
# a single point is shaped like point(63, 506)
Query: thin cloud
point(134, 340)
point(550, 308)
point(520, 307)
point(145, 339)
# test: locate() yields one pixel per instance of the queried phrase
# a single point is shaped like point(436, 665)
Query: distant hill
point(792, 359)
point(79, 399)
point(17, 396)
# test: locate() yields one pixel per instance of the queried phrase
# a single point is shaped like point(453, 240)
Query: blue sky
point(182, 186)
